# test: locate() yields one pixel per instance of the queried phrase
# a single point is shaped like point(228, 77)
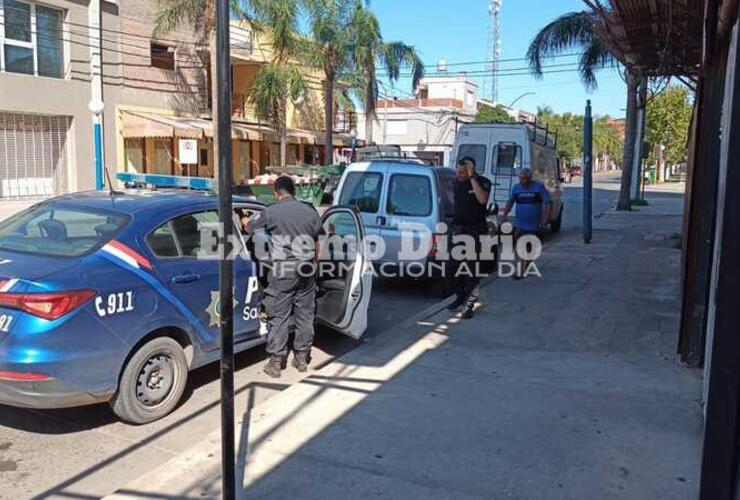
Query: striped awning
point(140, 124)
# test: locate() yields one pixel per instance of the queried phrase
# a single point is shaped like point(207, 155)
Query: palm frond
point(175, 14)
point(595, 57)
point(575, 30)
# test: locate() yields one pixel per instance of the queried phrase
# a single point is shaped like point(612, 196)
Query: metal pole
point(96, 106)
point(226, 266)
point(587, 173)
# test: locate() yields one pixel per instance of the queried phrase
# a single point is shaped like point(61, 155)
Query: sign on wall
point(188, 154)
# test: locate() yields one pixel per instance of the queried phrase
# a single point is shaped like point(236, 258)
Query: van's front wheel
point(152, 383)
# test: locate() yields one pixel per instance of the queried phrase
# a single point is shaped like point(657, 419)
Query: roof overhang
point(656, 37)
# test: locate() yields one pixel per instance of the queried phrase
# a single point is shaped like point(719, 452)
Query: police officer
point(471, 200)
point(293, 229)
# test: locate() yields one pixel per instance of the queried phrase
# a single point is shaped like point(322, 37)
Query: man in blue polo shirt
point(533, 206)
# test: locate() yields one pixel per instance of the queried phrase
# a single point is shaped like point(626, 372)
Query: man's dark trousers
point(465, 277)
point(290, 300)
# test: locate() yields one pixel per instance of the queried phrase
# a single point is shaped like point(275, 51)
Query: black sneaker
point(467, 313)
point(455, 305)
point(273, 367)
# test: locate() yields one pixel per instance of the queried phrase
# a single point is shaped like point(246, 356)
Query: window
point(397, 127)
point(135, 155)
point(181, 237)
point(162, 243)
point(475, 151)
point(162, 56)
point(362, 190)
point(59, 232)
point(410, 195)
point(508, 158)
point(31, 39)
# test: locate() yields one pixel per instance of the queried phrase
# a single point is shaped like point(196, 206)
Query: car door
point(507, 159)
point(364, 189)
point(345, 273)
point(192, 278)
point(409, 202)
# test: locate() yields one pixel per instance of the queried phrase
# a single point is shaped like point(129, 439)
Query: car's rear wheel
point(152, 383)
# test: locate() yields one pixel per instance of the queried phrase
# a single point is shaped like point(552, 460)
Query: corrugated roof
point(660, 37)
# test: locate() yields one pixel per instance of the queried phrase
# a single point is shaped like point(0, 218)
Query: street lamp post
point(96, 105)
point(511, 104)
point(226, 265)
point(587, 173)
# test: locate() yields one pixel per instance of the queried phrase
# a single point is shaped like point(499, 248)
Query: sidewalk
point(561, 388)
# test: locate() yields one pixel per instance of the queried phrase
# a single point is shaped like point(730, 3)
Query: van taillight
point(46, 305)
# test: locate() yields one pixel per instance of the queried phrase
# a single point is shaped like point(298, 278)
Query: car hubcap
point(156, 380)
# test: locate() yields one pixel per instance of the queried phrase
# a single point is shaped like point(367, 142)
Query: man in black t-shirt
point(471, 201)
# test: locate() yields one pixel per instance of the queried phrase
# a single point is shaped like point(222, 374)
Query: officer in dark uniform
point(290, 297)
point(471, 200)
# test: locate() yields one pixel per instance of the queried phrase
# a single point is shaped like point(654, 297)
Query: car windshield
point(59, 232)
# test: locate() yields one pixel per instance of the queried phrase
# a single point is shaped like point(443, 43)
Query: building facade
point(426, 126)
point(156, 93)
point(166, 104)
point(46, 126)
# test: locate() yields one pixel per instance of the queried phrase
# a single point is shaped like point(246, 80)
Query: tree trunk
point(369, 129)
point(329, 122)
point(214, 102)
point(631, 132)
point(369, 116)
point(283, 149)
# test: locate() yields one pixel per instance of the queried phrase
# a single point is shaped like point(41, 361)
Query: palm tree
point(330, 48)
point(369, 52)
point(578, 30)
point(200, 16)
point(279, 80)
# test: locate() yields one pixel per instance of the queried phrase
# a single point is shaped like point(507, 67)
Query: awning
point(154, 125)
point(139, 124)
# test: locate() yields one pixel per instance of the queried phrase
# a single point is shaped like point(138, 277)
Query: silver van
point(390, 193)
point(501, 149)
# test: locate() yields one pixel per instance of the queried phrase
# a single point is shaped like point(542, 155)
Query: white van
point(501, 149)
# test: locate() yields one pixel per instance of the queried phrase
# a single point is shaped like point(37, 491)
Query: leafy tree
point(668, 121)
point(200, 17)
point(496, 114)
point(569, 128)
point(579, 31)
point(280, 79)
point(369, 52)
point(333, 26)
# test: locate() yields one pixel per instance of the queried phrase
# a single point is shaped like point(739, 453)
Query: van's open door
point(345, 273)
point(507, 159)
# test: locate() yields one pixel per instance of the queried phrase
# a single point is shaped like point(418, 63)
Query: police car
point(103, 298)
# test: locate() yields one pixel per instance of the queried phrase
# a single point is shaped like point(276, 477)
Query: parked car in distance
point(576, 171)
point(501, 149)
point(105, 297)
point(390, 193)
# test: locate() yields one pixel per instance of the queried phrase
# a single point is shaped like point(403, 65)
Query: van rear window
point(59, 232)
point(362, 190)
point(477, 152)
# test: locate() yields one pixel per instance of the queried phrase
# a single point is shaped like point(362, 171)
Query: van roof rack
point(536, 131)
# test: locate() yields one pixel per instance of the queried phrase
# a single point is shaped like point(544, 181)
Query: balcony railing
point(437, 102)
point(345, 121)
point(241, 108)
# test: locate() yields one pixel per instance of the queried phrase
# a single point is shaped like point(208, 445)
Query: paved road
point(86, 453)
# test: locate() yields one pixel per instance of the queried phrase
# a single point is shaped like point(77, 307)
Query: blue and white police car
point(103, 298)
